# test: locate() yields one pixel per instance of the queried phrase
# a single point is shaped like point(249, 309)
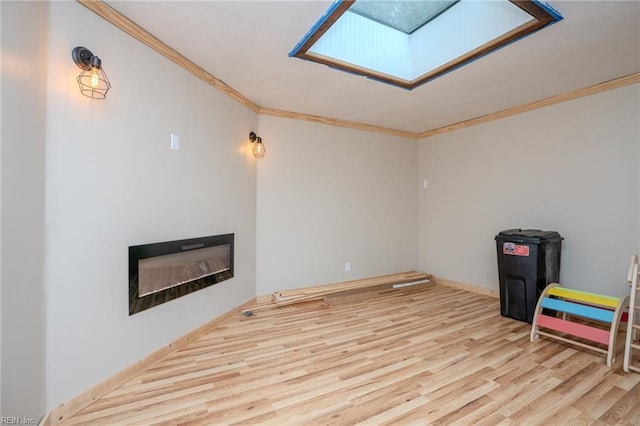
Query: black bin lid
point(531, 236)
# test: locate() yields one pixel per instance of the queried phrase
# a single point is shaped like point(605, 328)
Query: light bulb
point(259, 149)
point(95, 78)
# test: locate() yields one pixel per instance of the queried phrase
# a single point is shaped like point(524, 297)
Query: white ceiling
point(246, 45)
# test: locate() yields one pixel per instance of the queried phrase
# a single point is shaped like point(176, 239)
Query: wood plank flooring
point(436, 356)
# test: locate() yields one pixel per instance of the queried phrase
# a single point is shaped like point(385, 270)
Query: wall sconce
point(258, 147)
point(92, 80)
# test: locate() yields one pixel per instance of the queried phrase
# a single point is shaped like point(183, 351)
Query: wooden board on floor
point(321, 290)
point(360, 294)
point(310, 294)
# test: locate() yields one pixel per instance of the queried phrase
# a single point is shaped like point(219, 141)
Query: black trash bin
point(528, 260)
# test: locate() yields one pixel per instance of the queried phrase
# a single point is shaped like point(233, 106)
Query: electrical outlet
point(347, 266)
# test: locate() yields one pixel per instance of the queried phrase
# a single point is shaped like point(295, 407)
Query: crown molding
point(564, 97)
point(337, 122)
point(136, 31)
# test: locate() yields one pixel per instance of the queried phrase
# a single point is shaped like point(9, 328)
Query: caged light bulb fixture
point(258, 147)
point(93, 81)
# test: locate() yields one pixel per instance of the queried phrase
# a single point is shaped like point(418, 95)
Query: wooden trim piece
point(324, 27)
point(64, 411)
point(477, 53)
point(46, 419)
point(564, 97)
point(133, 29)
point(553, 100)
point(336, 122)
point(139, 33)
point(321, 290)
point(467, 287)
point(264, 299)
point(534, 10)
point(360, 294)
point(358, 70)
point(313, 293)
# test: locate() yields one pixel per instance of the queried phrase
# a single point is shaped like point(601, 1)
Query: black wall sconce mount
point(258, 147)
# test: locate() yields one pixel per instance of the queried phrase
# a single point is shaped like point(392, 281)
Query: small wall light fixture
point(92, 80)
point(258, 147)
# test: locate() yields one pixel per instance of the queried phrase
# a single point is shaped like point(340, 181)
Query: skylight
point(407, 43)
point(406, 16)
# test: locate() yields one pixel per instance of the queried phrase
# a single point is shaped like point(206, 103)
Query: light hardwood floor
point(436, 356)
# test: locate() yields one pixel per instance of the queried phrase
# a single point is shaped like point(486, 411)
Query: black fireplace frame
point(145, 251)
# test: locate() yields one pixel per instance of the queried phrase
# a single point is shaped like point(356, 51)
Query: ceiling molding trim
point(564, 97)
point(337, 122)
point(139, 33)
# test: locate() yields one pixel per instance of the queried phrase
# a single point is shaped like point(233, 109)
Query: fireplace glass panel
point(164, 272)
point(160, 272)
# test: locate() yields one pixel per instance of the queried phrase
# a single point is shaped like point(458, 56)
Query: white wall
point(325, 196)
point(328, 195)
point(571, 168)
point(24, 59)
point(1, 220)
point(112, 182)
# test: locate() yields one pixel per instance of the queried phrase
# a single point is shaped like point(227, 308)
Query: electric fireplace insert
point(164, 271)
